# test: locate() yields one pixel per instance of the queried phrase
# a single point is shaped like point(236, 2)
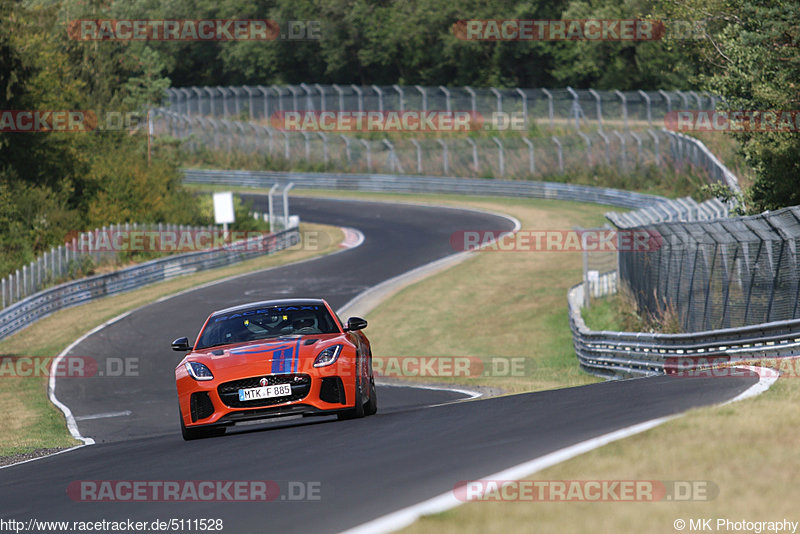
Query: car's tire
point(190, 434)
point(371, 408)
point(358, 411)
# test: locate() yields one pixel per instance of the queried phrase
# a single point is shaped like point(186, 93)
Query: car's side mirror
point(181, 344)
point(355, 323)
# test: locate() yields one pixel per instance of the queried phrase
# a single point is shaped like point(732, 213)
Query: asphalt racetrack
point(418, 446)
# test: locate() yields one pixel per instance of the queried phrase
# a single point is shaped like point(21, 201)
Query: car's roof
point(275, 302)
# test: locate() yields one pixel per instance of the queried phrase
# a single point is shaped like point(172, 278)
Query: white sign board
point(223, 208)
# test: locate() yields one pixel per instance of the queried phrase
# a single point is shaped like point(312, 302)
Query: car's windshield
point(266, 322)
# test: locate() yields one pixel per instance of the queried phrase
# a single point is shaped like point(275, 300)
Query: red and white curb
point(352, 238)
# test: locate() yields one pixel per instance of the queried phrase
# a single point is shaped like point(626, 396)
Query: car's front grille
point(200, 406)
point(332, 390)
point(229, 391)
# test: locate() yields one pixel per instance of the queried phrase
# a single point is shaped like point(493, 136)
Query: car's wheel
point(358, 411)
point(190, 434)
point(371, 408)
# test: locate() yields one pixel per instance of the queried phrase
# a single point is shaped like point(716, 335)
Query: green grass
point(31, 422)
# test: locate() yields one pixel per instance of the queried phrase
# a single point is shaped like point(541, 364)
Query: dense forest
point(51, 183)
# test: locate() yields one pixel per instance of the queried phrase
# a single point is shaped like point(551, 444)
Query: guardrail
point(393, 183)
point(602, 353)
point(21, 314)
point(66, 260)
point(624, 354)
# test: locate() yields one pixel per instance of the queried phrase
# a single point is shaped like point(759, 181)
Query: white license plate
point(265, 392)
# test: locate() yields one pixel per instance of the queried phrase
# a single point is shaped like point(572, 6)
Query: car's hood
point(282, 355)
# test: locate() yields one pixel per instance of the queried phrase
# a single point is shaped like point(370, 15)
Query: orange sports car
point(272, 359)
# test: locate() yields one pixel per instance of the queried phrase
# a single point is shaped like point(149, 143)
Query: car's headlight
point(198, 371)
point(327, 356)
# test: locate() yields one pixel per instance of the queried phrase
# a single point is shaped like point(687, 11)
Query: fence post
point(560, 154)
point(380, 97)
point(265, 92)
point(341, 97)
point(655, 145)
point(647, 100)
point(444, 156)
point(250, 106)
point(524, 105)
point(324, 147)
point(443, 89)
point(292, 89)
point(309, 105)
point(286, 151)
point(499, 96)
point(360, 94)
point(277, 90)
point(638, 147)
point(623, 149)
point(588, 148)
point(549, 106)
point(347, 151)
point(424, 98)
point(392, 157)
point(306, 146)
point(608, 147)
point(576, 107)
point(500, 158)
point(369, 154)
point(322, 106)
point(624, 106)
point(666, 98)
point(599, 105)
point(419, 155)
point(469, 90)
point(474, 154)
point(699, 100)
point(401, 95)
point(531, 161)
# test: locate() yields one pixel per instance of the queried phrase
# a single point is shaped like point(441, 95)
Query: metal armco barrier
point(21, 314)
point(607, 354)
point(393, 183)
point(625, 354)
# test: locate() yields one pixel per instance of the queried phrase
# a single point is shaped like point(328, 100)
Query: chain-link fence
point(489, 157)
point(719, 274)
point(547, 107)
